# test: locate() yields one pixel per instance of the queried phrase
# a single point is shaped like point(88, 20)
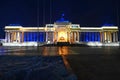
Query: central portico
point(62, 31)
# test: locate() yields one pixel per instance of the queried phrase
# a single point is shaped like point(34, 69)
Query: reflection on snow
point(63, 50)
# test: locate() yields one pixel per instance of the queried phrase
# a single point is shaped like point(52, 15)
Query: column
point(70, 37)
point(78, 36)
point(55, 37)
point(116, 36)
point(52, 37)
point(90, 36)
point(95, 36)
point(103, 37)
point(17, 37)
point(74, 36)
point(22, 36)
point(6, 37)
point(110, 36)
point(67, 37)
point(27, 37)
point(10, 37)
point(100, 36)
point(107, 36)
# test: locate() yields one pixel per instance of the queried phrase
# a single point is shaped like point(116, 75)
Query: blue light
point(106, 24)
point(84, 36)
point(92, 36)
point(98, 36)
point(62, 19)
point(87, 36)
point(41, 37)
point(24, 37)
point(95, 36)
point(14, 25)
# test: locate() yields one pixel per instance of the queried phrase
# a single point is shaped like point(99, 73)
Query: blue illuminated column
point(90, 37)
point(33, 36)
point(85, 36)
point(98, 36)
point(92, 34)
point(30, 38)
point(26, 36)
point(95, 35)
point(46, 36)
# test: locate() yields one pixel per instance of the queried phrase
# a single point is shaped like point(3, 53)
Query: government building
point(61, 31)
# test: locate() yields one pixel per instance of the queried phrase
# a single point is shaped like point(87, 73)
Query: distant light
point(90, 28)
point(108, 24)
point(14, 25)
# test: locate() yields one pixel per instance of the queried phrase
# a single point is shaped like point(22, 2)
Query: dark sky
point(83, 12)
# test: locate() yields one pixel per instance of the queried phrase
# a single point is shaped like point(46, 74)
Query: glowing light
point(110, 27)
point(13, 26)
point(90, 28)
point(63, 50)
point(62, 36)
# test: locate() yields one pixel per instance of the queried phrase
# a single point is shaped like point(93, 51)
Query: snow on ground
point(34, 68)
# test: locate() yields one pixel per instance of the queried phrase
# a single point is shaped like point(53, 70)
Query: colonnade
point(13, 36)
point(109, 36)
point(75, 36)
point(106, 36)
point(50, 36)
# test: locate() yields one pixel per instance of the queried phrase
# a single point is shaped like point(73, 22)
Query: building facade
point(61, 31)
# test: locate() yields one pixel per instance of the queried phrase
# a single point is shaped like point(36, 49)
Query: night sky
point(83, 12)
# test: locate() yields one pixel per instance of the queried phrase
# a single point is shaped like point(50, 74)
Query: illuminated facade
point(61, 31)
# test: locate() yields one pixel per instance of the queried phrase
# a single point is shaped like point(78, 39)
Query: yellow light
point(62, 36)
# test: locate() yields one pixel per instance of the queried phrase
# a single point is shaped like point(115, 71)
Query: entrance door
point(62, 36)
